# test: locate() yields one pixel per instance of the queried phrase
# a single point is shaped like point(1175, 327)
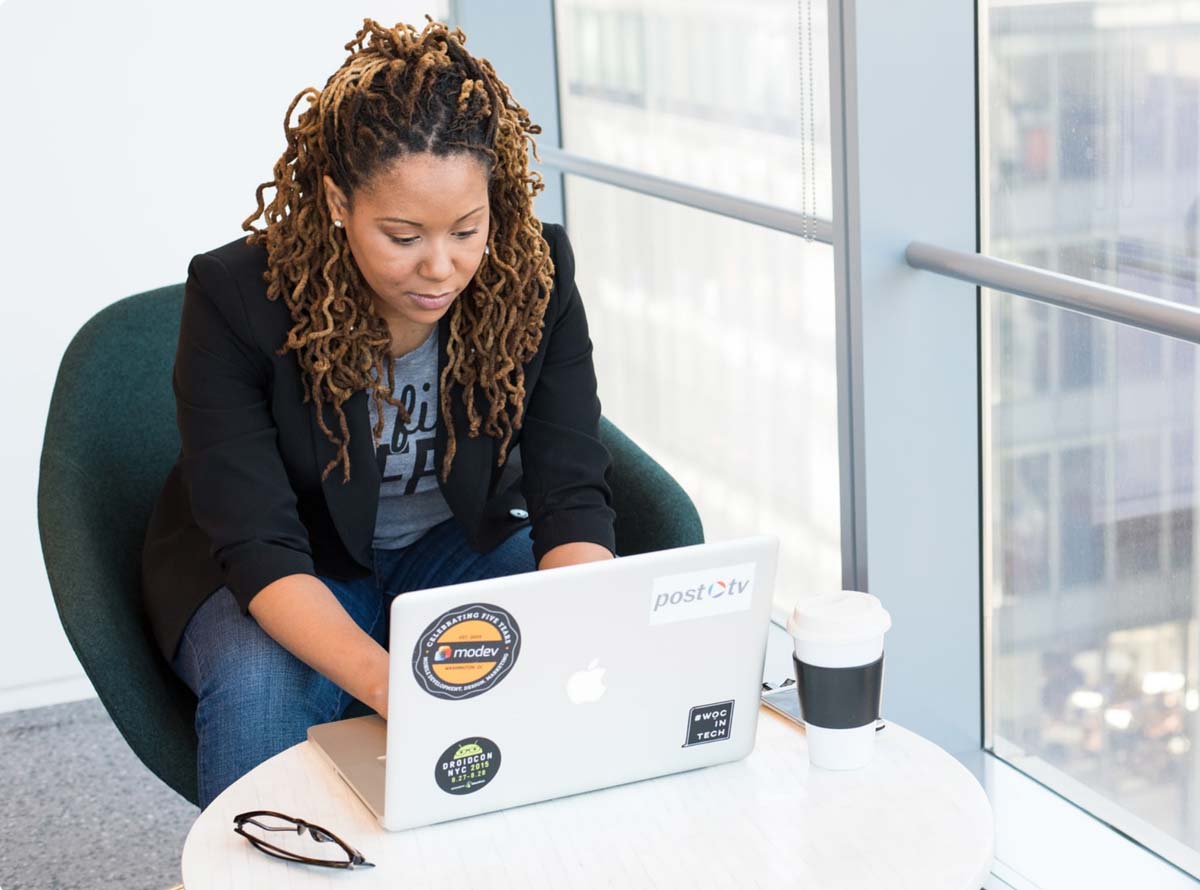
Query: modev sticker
point(701, 594)
point(466, 651)
point(467, 765)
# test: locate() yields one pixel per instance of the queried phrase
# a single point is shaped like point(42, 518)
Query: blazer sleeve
point(566, 469)
point(230, 463)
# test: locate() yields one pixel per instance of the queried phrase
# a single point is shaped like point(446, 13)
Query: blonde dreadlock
point(400, 92)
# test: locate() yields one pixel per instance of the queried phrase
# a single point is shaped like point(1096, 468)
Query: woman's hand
point(302, 614)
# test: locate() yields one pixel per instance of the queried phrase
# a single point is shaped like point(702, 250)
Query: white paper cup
point(842, 631)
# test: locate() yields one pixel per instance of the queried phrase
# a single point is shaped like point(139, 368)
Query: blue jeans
point(256, 699)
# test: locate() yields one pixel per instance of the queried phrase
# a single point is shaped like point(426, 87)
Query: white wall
point(133, 136)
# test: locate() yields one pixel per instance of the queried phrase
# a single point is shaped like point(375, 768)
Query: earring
point(487, 250)
point(338, 223)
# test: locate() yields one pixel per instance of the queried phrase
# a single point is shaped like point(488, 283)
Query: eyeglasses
point(265, 820)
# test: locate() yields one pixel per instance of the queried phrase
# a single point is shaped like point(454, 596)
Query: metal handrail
point(1064, 291)
point(768, 215)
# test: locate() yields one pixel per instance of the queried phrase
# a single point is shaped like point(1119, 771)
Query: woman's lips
point(431, 301)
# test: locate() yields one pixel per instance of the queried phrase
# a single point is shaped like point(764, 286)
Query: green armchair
point(111, 439)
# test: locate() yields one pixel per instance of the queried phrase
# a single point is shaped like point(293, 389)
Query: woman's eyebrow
point(419, 225)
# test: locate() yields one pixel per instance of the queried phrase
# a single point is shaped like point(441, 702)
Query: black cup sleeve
point(839, 698)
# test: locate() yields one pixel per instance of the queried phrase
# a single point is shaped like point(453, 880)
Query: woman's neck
point(409, 338)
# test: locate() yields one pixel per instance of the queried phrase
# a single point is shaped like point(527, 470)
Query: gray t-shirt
point(410, 501)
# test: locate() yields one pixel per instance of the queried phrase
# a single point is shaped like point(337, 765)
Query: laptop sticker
point(701, 594)
point(709, 723)
point(466, 651)
point(467, 765)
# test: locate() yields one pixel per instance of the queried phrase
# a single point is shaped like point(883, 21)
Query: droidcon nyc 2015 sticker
point(467, 765)
point(466, 651)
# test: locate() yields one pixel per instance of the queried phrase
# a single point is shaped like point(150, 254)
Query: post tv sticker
point(466, 651)
point(702, 594)
point(467, 765)
point(709, 723)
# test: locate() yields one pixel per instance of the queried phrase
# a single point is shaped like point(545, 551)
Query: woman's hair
point(401, 92)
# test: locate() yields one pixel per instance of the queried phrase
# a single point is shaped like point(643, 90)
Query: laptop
point(529, 687)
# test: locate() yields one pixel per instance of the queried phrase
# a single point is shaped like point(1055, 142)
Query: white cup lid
point(843, 616)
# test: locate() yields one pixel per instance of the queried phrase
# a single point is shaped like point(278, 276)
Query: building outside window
point(1092, 155)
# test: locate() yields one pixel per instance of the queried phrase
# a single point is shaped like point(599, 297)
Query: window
point(714, 338)
point(1081, 530)
point(1024, 525)
point(1092, 154)
point(715, 352)
point(712, 99)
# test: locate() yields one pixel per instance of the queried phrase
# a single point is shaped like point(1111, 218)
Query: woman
point(352, 384)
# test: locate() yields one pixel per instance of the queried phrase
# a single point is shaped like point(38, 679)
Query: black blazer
point(244, 503)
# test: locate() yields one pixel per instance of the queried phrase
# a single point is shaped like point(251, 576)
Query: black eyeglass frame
point(354, 859)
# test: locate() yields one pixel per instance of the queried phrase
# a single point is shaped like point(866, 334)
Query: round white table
point(914, 818)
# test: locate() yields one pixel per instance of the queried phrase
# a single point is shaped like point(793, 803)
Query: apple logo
point(586, 685)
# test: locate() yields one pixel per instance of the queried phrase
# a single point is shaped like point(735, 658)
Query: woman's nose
point(437, 265)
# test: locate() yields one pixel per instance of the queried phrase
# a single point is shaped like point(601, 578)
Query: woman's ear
point(334, 198)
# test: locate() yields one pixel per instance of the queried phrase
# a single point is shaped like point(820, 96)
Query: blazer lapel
point(353, 504)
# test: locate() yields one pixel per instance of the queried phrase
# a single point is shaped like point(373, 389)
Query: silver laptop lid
point(534, 686)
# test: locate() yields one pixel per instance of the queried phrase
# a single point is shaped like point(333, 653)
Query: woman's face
point(417, 233)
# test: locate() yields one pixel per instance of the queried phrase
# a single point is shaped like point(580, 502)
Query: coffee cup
point(838, 659)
